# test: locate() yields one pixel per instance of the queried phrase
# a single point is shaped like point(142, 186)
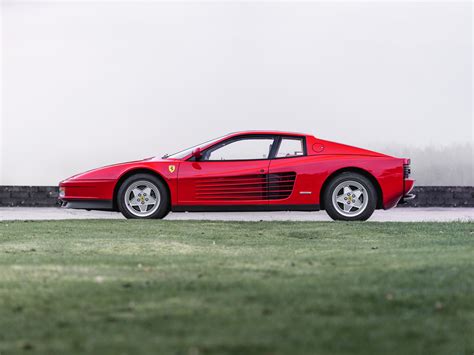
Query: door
point(290, 182)
point(233, 172)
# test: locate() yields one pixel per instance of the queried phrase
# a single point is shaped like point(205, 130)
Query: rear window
point(290, 147)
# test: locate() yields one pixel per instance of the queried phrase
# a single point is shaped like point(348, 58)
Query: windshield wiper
point(165, 156)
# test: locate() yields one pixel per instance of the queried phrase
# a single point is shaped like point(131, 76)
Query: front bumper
point(86, 189)
point(99, 205)
point(87, 194)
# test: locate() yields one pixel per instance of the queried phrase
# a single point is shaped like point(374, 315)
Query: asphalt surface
point(393, 215)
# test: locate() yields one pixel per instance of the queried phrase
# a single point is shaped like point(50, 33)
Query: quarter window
point(242, 149)
point(290, 147)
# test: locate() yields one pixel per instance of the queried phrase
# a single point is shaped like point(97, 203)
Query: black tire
point(164, 205)
point(334, 213)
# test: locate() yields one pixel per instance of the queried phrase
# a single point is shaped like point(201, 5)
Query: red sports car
point(248, 171)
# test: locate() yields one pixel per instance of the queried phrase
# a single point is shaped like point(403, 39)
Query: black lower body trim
point(100, 205)
point(406, 198)
point(245, 208)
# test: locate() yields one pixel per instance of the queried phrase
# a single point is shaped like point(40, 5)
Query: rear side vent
point(280, 185)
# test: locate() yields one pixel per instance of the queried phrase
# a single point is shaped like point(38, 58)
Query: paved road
point(393, 215)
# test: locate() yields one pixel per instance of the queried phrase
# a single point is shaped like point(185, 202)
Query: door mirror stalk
point(197, 153)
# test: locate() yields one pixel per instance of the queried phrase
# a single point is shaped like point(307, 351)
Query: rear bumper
point(406, 198)
point(408, 185)
point(409, 197)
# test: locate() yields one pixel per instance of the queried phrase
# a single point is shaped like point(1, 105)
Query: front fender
point(100, 184)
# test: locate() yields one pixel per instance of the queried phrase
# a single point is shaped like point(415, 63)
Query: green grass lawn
point(182, 287)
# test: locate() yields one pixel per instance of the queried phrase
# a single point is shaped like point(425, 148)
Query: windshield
point(183, 153)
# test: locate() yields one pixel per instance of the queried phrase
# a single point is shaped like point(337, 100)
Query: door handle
point(262, 170)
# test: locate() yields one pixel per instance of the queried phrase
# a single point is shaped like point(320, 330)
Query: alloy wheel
point(142, 198)
point(350, 198)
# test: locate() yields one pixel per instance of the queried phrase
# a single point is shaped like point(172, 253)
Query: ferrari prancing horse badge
point(171, 168)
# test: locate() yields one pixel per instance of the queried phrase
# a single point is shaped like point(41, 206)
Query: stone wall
point(426, 196)
point(442, 196)
point(29, 196)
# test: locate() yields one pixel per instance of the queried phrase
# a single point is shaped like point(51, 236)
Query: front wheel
point(350, 197)
point(143, 196)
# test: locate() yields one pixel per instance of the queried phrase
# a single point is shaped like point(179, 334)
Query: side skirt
point(245, 208)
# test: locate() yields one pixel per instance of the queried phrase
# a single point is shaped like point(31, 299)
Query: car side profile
point(248, 171)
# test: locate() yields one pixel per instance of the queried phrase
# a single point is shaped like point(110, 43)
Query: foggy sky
point(92, 83)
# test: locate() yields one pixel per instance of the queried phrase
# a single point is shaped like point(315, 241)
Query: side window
point(290, 147)
point(242, 149)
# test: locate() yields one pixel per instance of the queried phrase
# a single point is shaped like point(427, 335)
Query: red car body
point(224, 185)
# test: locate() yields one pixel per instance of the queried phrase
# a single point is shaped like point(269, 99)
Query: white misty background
point(90, 83)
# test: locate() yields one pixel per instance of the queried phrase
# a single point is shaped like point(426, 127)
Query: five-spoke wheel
point(143, 196)
point(350, 197)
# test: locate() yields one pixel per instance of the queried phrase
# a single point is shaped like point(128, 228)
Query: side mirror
point(197, 153)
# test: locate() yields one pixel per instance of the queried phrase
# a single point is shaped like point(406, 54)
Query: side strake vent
point(242, 187)
point(280, 185)
point(256, 187)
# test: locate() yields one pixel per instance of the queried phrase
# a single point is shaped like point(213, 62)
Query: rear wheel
point(143, 196)
point(350, 197)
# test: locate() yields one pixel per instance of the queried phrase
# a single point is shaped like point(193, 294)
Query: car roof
point(256, 132)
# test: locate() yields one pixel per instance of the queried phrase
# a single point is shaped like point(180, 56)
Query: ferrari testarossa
point(248, 171)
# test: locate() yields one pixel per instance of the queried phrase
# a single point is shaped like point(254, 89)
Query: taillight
point(406, 169)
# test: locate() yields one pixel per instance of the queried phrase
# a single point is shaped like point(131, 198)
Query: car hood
point(113, 171)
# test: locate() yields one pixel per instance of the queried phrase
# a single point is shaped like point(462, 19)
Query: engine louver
point(246, 187)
